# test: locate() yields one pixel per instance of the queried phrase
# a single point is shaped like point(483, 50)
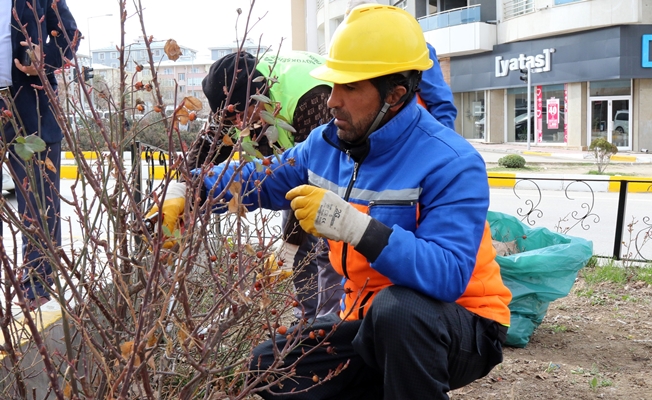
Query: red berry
point(192, 116)
point(312, 335)
point(234, 255)
point(213, 258)
point(8, 113)
point(321, 333)
point(266, 161)
point(259, 254)
point(279, 263)
point(230, 108)
point(268, 171)
point(315, 378)
point(282, 330)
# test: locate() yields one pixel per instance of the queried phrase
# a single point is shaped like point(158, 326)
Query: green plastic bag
point(544, 270)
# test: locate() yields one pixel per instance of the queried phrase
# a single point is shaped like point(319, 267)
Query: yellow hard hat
point(374, 40)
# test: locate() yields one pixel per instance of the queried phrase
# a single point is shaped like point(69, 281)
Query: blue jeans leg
point(44, 193)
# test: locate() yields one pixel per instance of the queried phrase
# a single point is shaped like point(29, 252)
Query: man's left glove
point(323, 213)
point(172, 208)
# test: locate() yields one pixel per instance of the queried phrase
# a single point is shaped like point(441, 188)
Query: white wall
point(550, 20)
point(458, 40)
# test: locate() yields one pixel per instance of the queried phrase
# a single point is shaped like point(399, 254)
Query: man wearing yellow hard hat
point(402, 200)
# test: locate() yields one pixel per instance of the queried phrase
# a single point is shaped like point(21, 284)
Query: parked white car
point(621, 121)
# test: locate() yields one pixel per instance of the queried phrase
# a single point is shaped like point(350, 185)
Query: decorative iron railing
point(612, 212)
point(618, 215)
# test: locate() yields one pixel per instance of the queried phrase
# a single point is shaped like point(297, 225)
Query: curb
point(573, 182)
point(43, 319)
point(644, 158)
point(30, 361)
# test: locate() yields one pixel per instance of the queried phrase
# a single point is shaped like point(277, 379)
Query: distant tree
point(602, 150)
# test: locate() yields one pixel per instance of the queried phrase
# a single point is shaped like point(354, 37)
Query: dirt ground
point(595, 343)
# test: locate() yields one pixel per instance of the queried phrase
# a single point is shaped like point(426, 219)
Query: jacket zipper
point(373, 203)
point(347, 194)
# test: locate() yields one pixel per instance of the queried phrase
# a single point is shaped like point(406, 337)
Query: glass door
point(609, 119)
point(620, 124)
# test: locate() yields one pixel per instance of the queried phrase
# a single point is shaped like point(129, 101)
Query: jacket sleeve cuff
point(374, 240)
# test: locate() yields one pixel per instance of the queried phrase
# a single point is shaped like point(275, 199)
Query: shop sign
point(565, 112)
point(552, 115)
point(646, 55)
point(538, 120)
point(542, 61)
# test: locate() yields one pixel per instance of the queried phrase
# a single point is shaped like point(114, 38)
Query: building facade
point(590, 65)
point(182, 78)
point(137, 53)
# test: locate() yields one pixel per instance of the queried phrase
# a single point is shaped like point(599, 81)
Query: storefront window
point(545, 127)
point(621, 87)
point(473, 123)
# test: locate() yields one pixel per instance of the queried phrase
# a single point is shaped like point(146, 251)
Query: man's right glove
point(323, 213)
point(172, 208)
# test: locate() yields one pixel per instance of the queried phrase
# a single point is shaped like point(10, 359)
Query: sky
point(198, 24)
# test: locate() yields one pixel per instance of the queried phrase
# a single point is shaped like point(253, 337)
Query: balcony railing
point(458, 16)
point(515, 8)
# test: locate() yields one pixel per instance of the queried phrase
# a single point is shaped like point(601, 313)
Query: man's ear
point(394, 96)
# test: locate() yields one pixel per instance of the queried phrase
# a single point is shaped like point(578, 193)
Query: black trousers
point(408, 346)
point(318, 286)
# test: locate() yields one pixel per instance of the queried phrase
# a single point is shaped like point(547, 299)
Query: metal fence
point(618, 221)
point(618, 218)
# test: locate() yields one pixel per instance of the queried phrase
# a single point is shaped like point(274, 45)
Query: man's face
point(354, 106)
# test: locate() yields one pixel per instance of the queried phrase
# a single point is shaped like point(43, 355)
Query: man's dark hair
point(386, 83)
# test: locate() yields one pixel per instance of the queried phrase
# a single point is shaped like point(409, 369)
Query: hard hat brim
point(328, 74)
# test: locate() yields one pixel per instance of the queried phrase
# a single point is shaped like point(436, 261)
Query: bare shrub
point(141, 319)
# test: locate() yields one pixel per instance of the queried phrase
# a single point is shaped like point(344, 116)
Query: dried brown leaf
point(249, 249)
point(50, 165)
point(172, 50)
point(233, 204)
point(226, 139)
point(192, 103)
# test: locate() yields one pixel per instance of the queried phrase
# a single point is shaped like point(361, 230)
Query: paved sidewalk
point(552, 154)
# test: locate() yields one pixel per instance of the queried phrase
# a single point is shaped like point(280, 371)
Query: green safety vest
point(292, 70)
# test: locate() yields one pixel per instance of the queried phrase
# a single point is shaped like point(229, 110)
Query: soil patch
point(596, 343)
